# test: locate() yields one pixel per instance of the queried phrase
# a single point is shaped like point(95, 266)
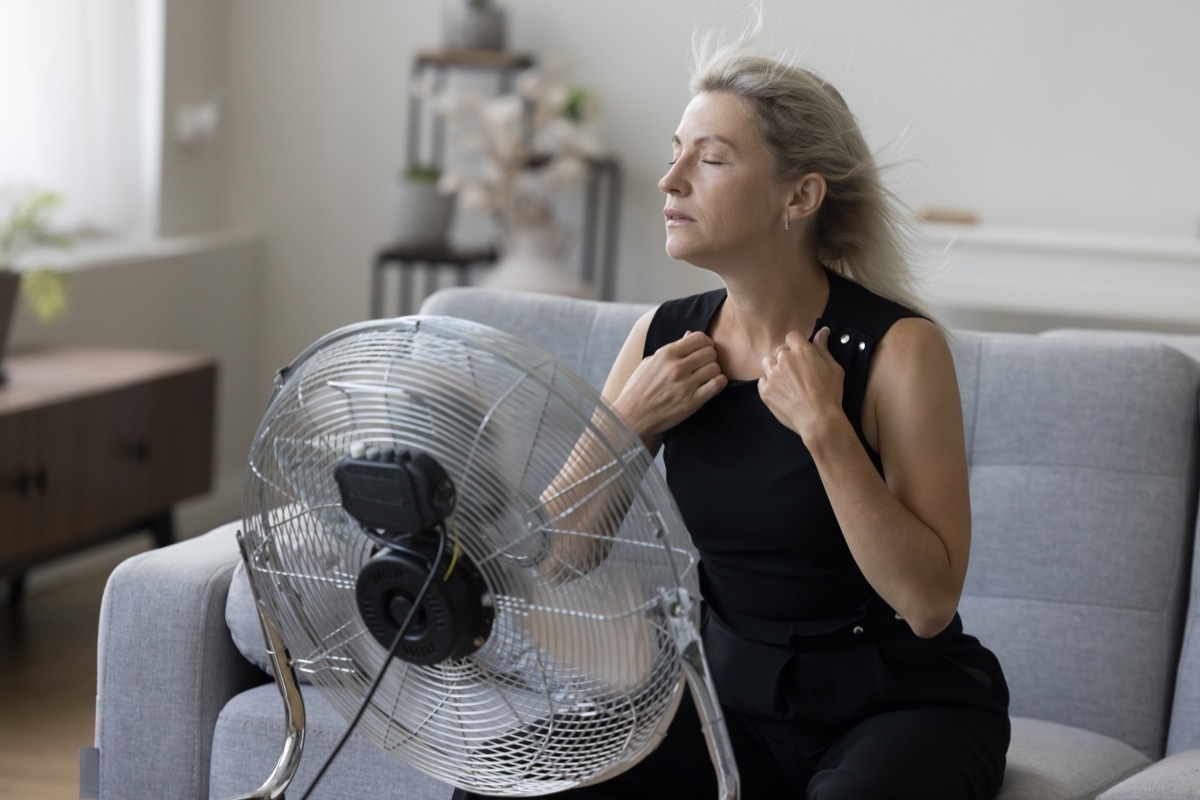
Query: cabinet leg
point(16, 591)
point(163, 528)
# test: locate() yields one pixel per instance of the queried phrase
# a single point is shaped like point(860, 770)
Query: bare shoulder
point(913, 349)
point(629, 356)
point(912, 373)
point(642, 326)
point(913, 338)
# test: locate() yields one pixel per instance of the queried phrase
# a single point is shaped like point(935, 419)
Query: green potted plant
point(421, 211)
point(25, 226)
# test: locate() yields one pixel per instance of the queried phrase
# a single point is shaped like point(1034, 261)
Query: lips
point(676, 216)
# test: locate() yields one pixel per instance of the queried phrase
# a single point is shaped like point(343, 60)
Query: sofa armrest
point(1176, 777)
point(166, 666)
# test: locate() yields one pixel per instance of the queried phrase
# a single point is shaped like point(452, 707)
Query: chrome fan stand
point(678, 609)
point(289, 689)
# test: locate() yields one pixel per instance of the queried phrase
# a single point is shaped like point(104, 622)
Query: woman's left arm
point(910, 531)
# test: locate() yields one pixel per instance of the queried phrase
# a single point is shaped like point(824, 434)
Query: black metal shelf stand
point(437, 263)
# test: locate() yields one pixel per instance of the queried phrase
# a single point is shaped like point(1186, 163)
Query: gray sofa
point(1083, 451)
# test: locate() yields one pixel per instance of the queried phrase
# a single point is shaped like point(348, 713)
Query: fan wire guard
point(580, 672)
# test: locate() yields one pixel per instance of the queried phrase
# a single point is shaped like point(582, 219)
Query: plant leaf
point(46, 292)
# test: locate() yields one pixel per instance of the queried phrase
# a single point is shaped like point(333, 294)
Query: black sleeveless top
point(770, 546)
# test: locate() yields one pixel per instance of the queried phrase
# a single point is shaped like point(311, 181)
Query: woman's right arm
point(651, 395)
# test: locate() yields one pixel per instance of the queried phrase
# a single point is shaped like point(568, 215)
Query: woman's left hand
point(802, 382)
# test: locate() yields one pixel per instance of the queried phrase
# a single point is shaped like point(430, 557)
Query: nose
point(672, 182)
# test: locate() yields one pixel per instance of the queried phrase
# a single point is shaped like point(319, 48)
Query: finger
point(821, 342)
point(707, 372)
point(698, 358)
point(711, 388)
point(688, 343)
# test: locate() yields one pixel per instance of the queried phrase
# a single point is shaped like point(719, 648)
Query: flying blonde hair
point(862, 231)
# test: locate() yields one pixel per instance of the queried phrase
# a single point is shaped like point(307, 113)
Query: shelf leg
point(163, 528)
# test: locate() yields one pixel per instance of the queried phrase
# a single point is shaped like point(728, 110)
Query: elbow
point(929, 626)
point(932, 618)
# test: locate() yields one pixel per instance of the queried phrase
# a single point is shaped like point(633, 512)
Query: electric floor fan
point(473, 559)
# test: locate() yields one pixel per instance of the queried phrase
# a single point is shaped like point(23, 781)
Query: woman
point(813, 440)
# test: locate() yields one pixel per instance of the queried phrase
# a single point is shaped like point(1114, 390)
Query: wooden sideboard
point(97, 443)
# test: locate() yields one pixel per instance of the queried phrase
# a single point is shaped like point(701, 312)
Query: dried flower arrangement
point(524, 146)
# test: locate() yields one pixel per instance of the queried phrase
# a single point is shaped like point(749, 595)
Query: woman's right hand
point(669, 386)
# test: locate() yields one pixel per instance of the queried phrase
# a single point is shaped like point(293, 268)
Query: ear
point(807, 195)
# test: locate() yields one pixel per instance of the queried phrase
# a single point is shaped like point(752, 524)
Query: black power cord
point(362, 708)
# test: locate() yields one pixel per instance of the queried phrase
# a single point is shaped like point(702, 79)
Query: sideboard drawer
point(98, 443)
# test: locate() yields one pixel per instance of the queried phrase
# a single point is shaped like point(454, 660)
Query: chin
point(695, 256)
point(679, 249)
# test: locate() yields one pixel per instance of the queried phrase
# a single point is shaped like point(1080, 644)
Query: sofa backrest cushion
point(1184, 732)
point(582, 335)
point(1082, 455)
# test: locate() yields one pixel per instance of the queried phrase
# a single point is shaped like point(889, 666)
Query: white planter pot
point(421, 215)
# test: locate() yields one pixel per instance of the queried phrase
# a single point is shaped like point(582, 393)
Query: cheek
point(743, 213)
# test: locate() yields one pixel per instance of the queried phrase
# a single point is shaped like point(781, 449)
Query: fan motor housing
point(455, 616)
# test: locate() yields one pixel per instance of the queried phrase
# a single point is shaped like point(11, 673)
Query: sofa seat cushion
point(1048, 761)
point(249, 736)
point(1174, 778)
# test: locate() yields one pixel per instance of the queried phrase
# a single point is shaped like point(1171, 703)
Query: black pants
point(919, 753)
point(893, 717)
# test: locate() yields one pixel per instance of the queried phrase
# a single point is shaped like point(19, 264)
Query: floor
point(48, 676)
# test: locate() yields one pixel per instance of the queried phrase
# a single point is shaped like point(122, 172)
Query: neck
point(762, 312)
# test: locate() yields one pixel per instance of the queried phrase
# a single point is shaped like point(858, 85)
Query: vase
point(10, 284)
point(533, 260)
point(470, 28)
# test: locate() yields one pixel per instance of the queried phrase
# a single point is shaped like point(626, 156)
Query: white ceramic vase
point(533, 260)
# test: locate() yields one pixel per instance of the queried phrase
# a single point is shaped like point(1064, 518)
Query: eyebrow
point(712, 137)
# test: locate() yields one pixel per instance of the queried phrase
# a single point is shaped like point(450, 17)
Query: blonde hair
point(862, 232)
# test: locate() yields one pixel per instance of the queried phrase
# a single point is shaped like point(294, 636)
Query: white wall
point(1069, 114)
point(195, 74)
point(1073, 114)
